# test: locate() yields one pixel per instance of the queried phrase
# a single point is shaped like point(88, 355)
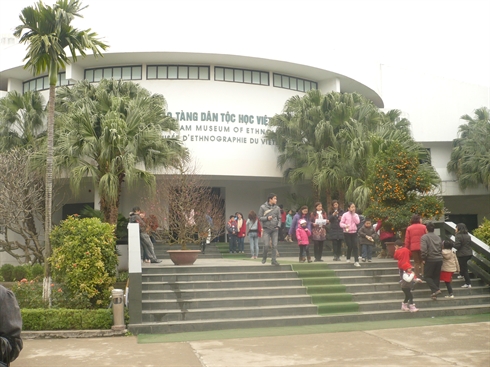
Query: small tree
point(84, 258)
point(483, 231)
point(21, 206)
point(186, 208)
point(401, 187)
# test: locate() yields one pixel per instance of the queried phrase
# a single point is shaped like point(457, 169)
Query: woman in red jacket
point(413, 234)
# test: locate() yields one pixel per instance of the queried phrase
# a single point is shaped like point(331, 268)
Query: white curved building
point(223, 103)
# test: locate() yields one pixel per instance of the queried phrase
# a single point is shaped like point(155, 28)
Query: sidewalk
point(438, 345)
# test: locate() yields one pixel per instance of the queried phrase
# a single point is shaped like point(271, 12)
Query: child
point(289, 220)
point(402, 254)
point(407, 283)
point(450, 265)
point(232, 229)
point(302, 234)
point(367, 234)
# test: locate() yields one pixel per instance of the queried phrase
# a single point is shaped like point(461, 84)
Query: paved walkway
point(436, 345)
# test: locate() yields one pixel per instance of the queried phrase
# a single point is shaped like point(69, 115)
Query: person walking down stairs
point(408, 282)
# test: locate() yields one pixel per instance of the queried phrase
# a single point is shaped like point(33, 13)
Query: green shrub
point(7, 271)
point(84, 258)
point(483, 231)
point(66, 319)
point(37, 272)
point(21, 272)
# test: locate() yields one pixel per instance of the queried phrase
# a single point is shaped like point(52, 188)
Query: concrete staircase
point(249, 295)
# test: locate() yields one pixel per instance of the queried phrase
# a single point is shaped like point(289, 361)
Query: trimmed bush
point(37, 272)
point(66, 319)
point(7, 271)
point(483, 231)
point(84, 258)
point(21, 272)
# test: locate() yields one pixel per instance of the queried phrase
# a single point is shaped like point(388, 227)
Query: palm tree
point(22, 120)
point(114, 133)
point(48, 32)
point(470, 157)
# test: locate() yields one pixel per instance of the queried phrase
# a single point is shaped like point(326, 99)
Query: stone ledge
point(65, 334)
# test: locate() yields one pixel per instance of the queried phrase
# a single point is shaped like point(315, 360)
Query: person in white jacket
point(408, 281)
point(450, 265)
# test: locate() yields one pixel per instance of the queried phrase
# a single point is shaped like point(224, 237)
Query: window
point(42, 83)
point(183, 72)
point(241, 76)
point(289, 82)
point(116, 72)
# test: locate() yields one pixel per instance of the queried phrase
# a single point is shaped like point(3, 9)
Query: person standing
point(348, 223)
point(464, 252)
point(408, 281)
point(301, 214)
point(270, 218)
point(289, 221)
point(367, 235)
point(450, 265)
point(10, 327)
point(431, 251)
point(242, 232)
point(385, 236)
point(254, 231)
point(302, 235)
point(335, 232)
point(145, 241)
point(402, 255)
point(232, 230)
point(413, 234)
point(319, 222)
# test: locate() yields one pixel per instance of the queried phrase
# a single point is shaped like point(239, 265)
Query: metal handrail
point(480, 262)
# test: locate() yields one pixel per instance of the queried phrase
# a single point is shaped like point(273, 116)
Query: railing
point(135, 279)
point(480, 262)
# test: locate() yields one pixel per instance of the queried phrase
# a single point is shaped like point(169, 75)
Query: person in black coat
point(10, 326)
point(335, 233)
point(464, 252)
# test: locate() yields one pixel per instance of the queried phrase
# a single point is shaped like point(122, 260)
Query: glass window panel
point(247, 76)
point(255, 77)
point(314, 85)
point(97, 75)
point(203, 72)
point(301, 85)
point(183, 72)
point(89, 75)
point(126, 73)
point(117, 73)
point(151, 72)
point(264, 78)
point(39, 84)
point(277, 80)
point(162, 72)
point(136, 72)
point(229, 75)
point(26, 87)
point(285, 81)
point(293, 84)
point(63, 80)
point(307, 86)
point(193, 72)
point(46, 82)
point(172, 72)
point(32, 85)
point(219, 74)
point(239, 76)
point(107, 73)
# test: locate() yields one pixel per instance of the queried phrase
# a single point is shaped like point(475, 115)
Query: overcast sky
point(449, 38)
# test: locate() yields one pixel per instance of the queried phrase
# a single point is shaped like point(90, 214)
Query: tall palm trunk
point(49, 186)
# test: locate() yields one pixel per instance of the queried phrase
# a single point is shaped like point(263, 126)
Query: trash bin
point(118, 309)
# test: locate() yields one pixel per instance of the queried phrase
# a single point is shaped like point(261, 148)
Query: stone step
point(218, 277)
point(228, 313)
point(302, 320)
point(246, 283)
point(186, 294)
point(185, 305)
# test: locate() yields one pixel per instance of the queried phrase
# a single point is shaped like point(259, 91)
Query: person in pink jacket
point(349, 223)
point(413, 234)
point(302, 235)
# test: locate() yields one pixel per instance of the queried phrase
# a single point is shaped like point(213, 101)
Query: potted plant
point(190, 213)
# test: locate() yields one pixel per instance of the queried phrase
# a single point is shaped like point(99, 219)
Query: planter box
point(122, 257)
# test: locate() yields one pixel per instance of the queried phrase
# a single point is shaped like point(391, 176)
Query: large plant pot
point(183, 257)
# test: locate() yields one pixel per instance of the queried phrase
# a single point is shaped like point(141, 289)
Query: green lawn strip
point(309, 329)
point(325, 289)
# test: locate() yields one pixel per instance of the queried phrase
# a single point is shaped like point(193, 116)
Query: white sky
point(448, 38)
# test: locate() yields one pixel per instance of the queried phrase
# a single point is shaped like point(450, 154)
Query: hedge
point(66, 319)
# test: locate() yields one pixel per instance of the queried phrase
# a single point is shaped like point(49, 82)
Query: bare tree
point(22, 195)
point(187, 209)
